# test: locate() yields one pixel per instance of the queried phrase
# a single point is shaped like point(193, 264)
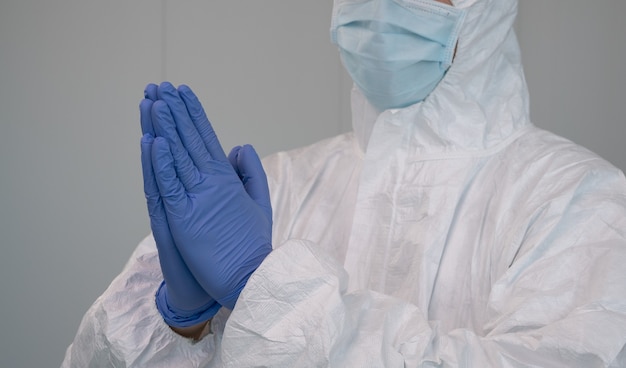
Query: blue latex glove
point(220, 217)
point(180, 299)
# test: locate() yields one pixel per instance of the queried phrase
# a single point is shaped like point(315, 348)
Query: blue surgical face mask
point(396, 51)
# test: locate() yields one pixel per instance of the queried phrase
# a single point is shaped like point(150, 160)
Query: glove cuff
point(175, 317)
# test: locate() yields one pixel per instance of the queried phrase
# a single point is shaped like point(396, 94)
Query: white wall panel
point(574, 57)
point(71, 202)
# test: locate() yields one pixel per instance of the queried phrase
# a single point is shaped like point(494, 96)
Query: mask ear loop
point(456, 33)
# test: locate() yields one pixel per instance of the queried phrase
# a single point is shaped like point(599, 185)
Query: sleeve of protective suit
point(124, 329)
point(295, 313)
point(314, 322)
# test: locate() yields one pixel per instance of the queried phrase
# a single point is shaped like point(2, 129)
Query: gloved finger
point(171, 262)
point(187, 132)
point(171, 189)
point(232, 158)
point(250, 170)
point(158, 218)
point(165, 127)
point(145, 116)
point(150, 188)
point(169, 257)
point(202, 124)
point(150, 92)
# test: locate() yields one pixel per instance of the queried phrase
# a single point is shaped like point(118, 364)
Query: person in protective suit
point(445, 230)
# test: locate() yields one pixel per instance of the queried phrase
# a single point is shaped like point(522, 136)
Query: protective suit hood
point(481, 102)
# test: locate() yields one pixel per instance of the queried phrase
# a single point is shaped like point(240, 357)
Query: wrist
point(196, 332)
point(176, 317)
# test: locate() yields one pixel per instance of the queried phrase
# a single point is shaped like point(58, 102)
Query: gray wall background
point(72, 74)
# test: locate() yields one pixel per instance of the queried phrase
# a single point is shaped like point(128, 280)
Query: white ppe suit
point(452, 233)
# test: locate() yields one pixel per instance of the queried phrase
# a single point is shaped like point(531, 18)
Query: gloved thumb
point(247, 165)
